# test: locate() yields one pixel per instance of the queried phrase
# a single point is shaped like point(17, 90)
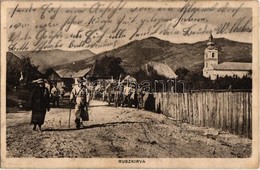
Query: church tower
point(210, 58)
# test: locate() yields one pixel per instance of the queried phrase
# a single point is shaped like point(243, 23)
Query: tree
point(194, 80)
point(181, 72)
point(24, 67)
point(236, 83)
point(13, 73)
point(109, 66)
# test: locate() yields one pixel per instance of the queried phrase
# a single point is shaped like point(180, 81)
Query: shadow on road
point(94, 126)
point(97, 105)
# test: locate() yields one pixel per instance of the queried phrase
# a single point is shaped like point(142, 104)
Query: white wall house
point(213, 70)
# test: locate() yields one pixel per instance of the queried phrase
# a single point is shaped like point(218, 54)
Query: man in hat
point(80, 94)
point(40, 103)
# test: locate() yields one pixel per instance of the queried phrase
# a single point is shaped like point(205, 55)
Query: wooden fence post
point(229, 111)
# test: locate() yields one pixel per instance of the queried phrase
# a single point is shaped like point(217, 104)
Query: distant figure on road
point(126, 97)
point(140, 95)
point(55, 96)
point(61, 92)
point(40, 103)
point(80, 94)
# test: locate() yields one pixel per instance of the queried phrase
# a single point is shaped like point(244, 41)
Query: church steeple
point(210, 57)
point(210, 38)
point(211, 42)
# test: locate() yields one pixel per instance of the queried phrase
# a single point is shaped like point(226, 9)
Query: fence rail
point(228, 111)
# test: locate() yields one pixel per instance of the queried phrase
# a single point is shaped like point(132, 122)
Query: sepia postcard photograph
point(129, 84)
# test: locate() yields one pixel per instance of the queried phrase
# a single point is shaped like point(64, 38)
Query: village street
point(118, 133)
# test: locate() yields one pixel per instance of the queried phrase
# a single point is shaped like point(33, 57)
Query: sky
point(102, 26)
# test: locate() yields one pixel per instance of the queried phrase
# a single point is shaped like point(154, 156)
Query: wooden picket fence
point(228, 111)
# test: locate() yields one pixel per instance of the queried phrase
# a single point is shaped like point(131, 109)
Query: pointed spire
point(211, 42)
point(210, 37)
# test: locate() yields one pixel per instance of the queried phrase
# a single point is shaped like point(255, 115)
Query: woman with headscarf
point(40, 103)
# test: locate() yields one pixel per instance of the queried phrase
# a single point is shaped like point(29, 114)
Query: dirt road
point(118, 133)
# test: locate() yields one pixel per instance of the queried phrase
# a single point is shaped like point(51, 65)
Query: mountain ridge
point(50, 58)
point(190, 55)
point(139, 52)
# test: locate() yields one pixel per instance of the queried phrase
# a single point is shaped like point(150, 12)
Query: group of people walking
point(124, 95)
point(42, 96)
point(40, 103)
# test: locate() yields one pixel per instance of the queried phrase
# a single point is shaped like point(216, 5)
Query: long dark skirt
point(38, 117)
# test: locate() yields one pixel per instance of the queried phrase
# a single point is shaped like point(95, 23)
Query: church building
point(212, 69)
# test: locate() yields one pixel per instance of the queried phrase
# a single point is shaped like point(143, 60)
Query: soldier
point(126, 97)
point(61, 92)
point(140, 95)
point(80, 94)
point(55, 96)
point(109, 92)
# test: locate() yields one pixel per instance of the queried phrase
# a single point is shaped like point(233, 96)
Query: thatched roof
point(161, 69)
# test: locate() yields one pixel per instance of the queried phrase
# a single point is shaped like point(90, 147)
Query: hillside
point(137, 53)
point(51, 58)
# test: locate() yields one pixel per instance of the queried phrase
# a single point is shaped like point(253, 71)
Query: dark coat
point(40, 103)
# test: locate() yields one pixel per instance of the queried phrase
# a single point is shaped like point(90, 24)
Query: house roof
point(68, 73)
point(17, 54)
point(234, 66)
point(81, 73)
point(11, 57)
point(65, 73)
point(162, 69)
